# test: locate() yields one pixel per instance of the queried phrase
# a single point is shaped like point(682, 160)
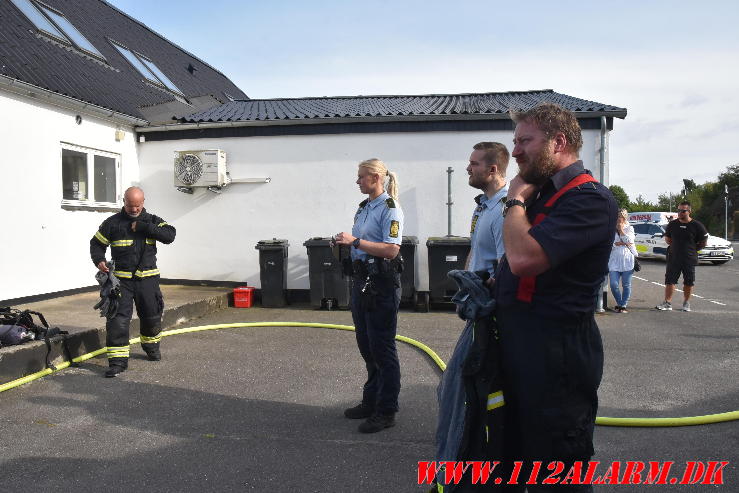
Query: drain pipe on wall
point(603, 293)
point(449, 202)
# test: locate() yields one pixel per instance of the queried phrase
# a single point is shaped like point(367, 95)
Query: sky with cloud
point(673, 65)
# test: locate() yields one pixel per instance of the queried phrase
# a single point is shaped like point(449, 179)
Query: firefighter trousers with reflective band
point(375, 315)
point(551, 372)
point(145, 294)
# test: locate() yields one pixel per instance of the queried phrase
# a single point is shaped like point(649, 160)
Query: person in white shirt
point(621, 262)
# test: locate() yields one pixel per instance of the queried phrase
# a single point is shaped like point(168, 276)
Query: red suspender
point(527, 285)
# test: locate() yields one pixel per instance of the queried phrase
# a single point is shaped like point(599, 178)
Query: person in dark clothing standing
point(131, 235)
point(375, 250)
point(558, 227)
point(685, 236)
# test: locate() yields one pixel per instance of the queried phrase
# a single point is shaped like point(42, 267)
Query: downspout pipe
point(603, 294)
point(603, 145)
point(449, 201)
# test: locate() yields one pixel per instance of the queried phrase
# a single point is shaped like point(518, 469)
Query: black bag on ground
point(24, 320)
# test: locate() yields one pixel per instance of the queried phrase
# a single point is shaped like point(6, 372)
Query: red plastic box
point(243, 296)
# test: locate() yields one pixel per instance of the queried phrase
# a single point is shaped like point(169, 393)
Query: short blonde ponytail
point(376, 166)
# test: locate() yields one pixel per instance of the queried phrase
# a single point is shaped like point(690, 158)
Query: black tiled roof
point(34, 58)
point(496, 105)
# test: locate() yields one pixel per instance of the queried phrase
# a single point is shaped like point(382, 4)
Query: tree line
point(707, 201)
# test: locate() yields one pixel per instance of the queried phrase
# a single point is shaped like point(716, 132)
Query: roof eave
point(356, 119)
point(26, 89)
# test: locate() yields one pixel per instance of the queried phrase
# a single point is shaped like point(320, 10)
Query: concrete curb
point(25, 359)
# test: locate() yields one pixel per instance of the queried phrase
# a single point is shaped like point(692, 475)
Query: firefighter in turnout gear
point(131, 235)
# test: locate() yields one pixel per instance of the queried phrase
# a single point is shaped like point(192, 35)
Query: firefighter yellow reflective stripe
point(124, 274)
point(495, 400)
point(121, 243)
point(161, 224)
point(150, 340)
point(150, 241)
point(118, 351)
point(102, 239)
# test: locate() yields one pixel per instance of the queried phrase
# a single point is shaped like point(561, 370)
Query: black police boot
point(377, 422)
point(359, 412)
point(152, 351)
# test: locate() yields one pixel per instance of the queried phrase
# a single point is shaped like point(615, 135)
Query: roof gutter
point(66, 102)
point(169, 127)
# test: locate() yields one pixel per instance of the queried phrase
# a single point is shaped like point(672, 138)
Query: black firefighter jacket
point(134, 253)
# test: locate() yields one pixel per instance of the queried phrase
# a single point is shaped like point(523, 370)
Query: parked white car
point(717, 250)
point(649, 229)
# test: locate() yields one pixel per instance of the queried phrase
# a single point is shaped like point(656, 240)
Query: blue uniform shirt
point(380, 221)
point(577, 236)
point(486, 231)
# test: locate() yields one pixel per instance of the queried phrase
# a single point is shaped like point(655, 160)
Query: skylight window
point(71, 31)
point(147, 68)
point(55, 24)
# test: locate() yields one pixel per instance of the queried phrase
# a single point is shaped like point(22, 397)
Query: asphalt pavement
point(260, 409)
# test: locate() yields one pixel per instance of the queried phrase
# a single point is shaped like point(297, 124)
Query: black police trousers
point(551, 371)
point(146, 295)
point(375, 323)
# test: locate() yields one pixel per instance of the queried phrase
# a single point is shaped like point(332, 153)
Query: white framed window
point(90, 177)
point(54, 23)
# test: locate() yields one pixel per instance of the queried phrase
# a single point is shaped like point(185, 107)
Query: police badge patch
point(474, 223)
point(394, 228)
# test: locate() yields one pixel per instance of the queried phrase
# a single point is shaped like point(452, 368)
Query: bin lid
point(273, 244)
point(318, 241)
point(448, 240)
point(413, 240)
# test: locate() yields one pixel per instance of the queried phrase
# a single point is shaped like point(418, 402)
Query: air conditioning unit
point(204, 168)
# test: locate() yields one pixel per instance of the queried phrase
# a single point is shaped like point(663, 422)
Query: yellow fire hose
point(601, 420)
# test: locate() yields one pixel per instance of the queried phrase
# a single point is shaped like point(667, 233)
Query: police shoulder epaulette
point(363, 203)
point(390, 203)
point(478, 199)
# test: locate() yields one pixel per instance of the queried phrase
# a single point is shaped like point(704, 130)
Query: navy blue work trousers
point(551, 369)
point(375, 323)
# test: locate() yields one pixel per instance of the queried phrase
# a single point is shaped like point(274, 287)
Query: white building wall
point(46, 248)
point(312, 193)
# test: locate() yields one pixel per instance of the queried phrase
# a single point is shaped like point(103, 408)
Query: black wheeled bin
point(445, 253)
point(273, 272)
point(329, 287)
point(408, 276)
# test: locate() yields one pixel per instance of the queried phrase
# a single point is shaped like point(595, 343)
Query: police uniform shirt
point(379, 220)
point(486, 231)
point(576, 236)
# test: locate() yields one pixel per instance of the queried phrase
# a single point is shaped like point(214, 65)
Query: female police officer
point(375, 241)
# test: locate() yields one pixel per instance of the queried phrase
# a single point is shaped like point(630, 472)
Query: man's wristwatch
point(511, 203)
point(355, 243)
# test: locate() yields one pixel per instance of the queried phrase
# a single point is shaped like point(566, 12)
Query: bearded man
point(487, 169)
point(132, 235)
point(558, 228)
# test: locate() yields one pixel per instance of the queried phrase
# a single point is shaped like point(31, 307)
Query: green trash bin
point(408, 276)
point(329, 287)
point(273, 272)
point(445, 253)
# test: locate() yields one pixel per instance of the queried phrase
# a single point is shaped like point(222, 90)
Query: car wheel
point(718, 262)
